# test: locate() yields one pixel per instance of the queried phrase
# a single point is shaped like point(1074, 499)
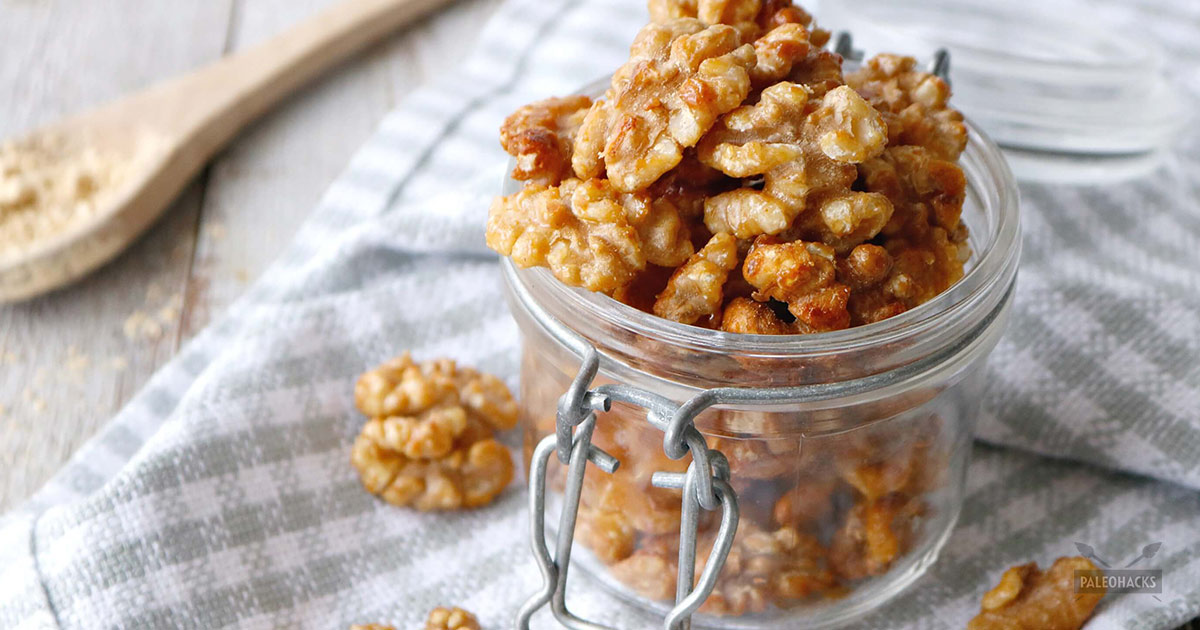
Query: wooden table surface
point(70, 360)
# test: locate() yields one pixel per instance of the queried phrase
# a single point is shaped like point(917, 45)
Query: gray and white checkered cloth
point(221, 496)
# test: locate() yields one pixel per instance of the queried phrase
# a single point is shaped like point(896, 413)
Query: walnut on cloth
point(429, 440)
point(729, 121)
point(1030, 599)
point(451, 619)
point(422, 408)
point(371, 626)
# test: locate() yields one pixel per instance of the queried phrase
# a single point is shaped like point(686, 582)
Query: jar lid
point(1055, 89)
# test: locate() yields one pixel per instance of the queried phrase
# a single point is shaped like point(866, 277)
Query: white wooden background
point(70, 360)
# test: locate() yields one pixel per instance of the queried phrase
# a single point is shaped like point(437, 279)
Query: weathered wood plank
point(264, 186)
point(66, 364)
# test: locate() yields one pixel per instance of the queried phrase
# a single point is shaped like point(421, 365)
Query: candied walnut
point(821, 70)
point(926, 191)
point(873, 535)
point(757, 459)
point(803, 276)
point(663, 11)
point(777, 52)
point(586, 233)
point(541, 136)
point(924, 267)
point(641, 292)
point(451, 619)
point(371, 626)
point(608, 534)
point(727, 11)
point(1029, 599)
point(743, 315)
point(865, 266)
point(805, 157)
point(680, 77)
point(469, 476)
point(644, 508)
point(694, 290)
point(913, 103)
point(783, 566)
point(650, 572)
point(805, 503)
point(925, 237)
point(844, 221)
point(422, 408)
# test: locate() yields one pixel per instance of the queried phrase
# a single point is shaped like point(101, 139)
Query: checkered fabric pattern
point(221, 497)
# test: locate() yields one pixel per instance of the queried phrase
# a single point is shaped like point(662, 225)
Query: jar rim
point(988, 176)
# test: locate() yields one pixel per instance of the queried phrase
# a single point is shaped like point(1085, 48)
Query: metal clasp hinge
point(705, 485)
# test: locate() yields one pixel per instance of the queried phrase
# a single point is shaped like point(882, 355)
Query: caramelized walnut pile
point(730, 151)
point(1027, 598)
point(428, 442)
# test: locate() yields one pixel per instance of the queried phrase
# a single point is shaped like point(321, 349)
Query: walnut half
point(1029, 599)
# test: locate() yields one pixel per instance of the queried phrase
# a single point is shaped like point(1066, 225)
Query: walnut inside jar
point(731, 118)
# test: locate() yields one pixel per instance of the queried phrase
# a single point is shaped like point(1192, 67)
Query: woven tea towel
point(222, 497)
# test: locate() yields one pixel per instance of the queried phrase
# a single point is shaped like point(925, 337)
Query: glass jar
point(845, 499)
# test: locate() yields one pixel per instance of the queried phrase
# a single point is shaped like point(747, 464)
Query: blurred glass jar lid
point(1067, 98)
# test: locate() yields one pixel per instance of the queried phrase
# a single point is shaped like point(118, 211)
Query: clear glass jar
point(844, 501)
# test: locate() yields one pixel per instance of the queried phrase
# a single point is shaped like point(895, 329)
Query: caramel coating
point(422, 408)
point(681, 75)
point(780, 567)
point(1028, 599)
point(469, 476)
point(663, 11)
point(874, 534)
point(802, 275)
point(694, 290)
point(587, 233)
point(913, 103)
point(805, 157)
point(451, 619)
point(727, 11)
point(730, 118)
point(541, 136)
point(743, 315)
point(778, 51)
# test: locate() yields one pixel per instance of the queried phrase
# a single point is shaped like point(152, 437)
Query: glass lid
point(1066, 97)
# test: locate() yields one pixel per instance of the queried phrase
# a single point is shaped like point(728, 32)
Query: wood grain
point(61, 355)
point(61, 56)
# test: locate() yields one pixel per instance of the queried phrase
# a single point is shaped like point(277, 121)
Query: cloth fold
point(221, 496)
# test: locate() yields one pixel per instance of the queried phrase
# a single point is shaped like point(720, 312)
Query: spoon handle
point(206, 108)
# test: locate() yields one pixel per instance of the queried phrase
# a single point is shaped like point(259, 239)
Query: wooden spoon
point(165, 134)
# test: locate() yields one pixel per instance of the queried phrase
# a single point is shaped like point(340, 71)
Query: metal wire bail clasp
point(705, 485)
